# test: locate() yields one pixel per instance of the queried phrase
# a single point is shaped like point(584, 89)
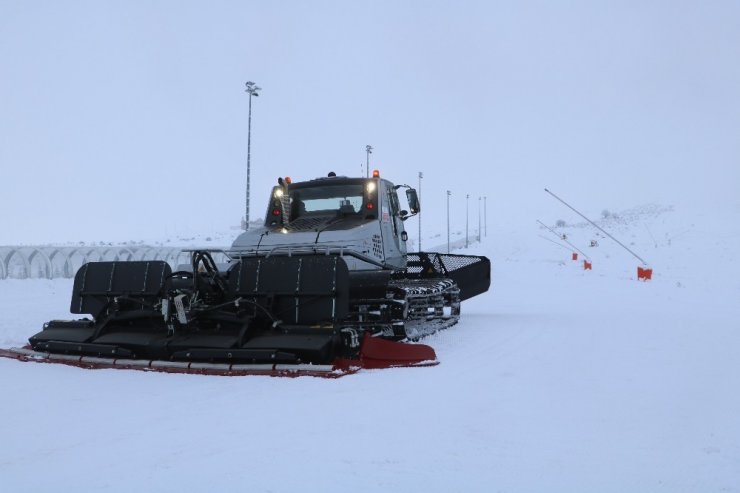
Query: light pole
point(485, 217)
point(448, 220)
point(479, 219)
point(467, 203)
point(420, 177)
point(368, 150)
point(252, 89)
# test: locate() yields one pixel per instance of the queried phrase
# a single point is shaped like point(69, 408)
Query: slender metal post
point(448, 220)
point(368, 151)
point(249, 152)
point(420, 177)
point(479, 219)
point(597, 227)
point(467, 201)
point(485, 217)
point(252, 89)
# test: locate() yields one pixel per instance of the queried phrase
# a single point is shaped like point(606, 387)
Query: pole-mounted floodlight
point(448, 220)
point(479, 218)
point(368, 151)
point(420, 177)
point(467, 209)
point(485, 217)
point(253, 90)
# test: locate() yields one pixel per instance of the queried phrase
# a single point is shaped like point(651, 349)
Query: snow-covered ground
point(558, 379)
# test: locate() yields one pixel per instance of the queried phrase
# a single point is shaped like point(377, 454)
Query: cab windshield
point(326, 199)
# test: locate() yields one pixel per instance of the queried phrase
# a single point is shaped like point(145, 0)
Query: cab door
point(392, 227)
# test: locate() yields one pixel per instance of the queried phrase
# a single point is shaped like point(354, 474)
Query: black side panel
point(277, 285)
point(324, 289)
point(63, 330)
point(308, 347)
point(471, 273)
point(301, 289)
point(97, 283)
point(369, 284)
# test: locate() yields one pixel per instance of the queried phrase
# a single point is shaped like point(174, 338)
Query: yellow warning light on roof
point(376, 173)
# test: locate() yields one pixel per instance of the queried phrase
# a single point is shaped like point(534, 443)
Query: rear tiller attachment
point(278, 315)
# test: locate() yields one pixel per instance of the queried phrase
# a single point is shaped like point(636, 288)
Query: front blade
point(382, 353)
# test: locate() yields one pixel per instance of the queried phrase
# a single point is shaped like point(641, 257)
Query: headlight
point(370, 187)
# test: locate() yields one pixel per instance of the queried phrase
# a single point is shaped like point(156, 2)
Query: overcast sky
point(127, 120)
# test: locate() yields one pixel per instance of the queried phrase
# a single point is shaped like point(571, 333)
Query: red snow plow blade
point(381, 353)
point(375, 353)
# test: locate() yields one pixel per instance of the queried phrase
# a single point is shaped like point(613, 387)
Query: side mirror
point(413, 200)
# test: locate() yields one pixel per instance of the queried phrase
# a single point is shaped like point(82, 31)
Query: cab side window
point(395, 209)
